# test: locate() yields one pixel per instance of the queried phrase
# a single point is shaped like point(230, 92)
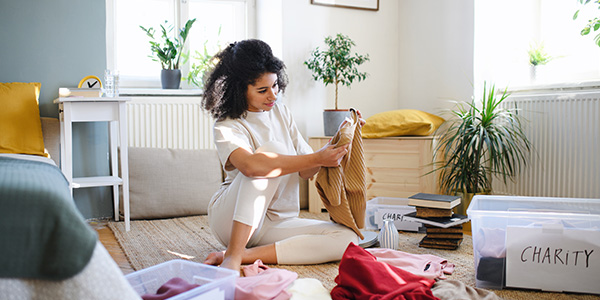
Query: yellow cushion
point(401, 122)
point(20, 125)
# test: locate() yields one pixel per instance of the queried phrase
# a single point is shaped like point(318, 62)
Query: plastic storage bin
point(215, 283)
point(380, 208)
point(550, 244)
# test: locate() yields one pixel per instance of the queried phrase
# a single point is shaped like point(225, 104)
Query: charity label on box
point(396, 215)
point(553, 258)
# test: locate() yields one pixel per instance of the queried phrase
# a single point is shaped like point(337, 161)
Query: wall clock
point(90, 82)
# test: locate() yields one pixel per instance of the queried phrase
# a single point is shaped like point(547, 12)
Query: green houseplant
point(168, 49)
point(478, 142)
point(336, 65)
point(537, 57)
point(202, 62)
point(593, 24)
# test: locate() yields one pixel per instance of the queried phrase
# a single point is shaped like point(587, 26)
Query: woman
point(255, 212)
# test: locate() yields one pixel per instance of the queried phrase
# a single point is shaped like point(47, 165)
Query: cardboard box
point(550, 244)
point(215, 283)
point(379, 208)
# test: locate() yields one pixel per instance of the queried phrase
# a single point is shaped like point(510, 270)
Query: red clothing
point(361, 276)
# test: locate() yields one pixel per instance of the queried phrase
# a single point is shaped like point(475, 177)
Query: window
point(218, 23)
point(505, 31)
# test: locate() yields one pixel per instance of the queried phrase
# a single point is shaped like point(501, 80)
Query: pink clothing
point(424, 265)
point(171, 288)
point(262, 282)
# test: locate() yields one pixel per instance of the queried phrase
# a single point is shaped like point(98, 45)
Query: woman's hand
point(361, 121)
point(330, 156)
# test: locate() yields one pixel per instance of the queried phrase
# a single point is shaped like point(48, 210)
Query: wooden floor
point(107, 238)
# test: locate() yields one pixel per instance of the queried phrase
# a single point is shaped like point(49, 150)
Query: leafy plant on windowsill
point(476, 143)
point(537, 55)
point(167, 49)
point(202, 62)
point(592, 24)
point(336, 65)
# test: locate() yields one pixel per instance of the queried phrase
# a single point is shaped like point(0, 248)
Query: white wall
point(436, 53)
point(421, 54)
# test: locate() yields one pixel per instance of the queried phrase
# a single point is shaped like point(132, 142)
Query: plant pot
point(170, 79)
point(461, 209)
point(532, 73)
point(332, 118)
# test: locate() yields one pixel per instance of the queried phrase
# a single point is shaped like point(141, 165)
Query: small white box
point(550, 244)
point(379, 208)
point(215, 283)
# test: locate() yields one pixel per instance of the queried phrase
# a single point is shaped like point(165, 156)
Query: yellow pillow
point(20, 125)
point(401, 122)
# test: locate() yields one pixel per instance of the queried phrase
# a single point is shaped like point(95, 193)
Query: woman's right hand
point(330, 156)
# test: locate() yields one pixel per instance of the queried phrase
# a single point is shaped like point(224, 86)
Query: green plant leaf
point(476, 143)
point(336, 65)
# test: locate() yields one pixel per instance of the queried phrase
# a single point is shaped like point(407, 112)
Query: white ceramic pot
point(389, 236)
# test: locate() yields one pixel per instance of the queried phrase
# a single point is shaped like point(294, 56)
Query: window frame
point(181, 12)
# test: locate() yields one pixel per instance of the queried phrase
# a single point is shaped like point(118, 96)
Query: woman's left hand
point(361, 121)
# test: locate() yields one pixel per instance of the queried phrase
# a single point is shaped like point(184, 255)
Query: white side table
point(97, 109)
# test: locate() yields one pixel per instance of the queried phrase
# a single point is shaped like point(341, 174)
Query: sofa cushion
point(167, 183)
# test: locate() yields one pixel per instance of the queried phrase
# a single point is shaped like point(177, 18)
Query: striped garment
point(343, 188)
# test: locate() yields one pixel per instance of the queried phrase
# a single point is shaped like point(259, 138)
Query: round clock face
point(90, 82)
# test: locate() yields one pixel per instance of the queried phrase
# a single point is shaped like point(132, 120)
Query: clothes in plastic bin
point(380, 208)
point(214, 283)
point(542, 243)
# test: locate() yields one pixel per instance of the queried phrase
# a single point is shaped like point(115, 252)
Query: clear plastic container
point(495, 218)
point(215, 283)
point(380, 208)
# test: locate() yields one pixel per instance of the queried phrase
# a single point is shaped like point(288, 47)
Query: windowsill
point(159, 92)
point(554, 87)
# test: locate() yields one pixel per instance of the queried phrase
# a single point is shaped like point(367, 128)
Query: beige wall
point(421, 54)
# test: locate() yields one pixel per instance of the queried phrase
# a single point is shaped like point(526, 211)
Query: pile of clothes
point(373, 273)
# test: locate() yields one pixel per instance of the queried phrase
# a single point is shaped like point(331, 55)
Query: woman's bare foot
point(214, 258)
point(232, 263)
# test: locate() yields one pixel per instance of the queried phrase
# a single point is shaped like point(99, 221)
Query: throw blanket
point(42, 234)
point(343, 188)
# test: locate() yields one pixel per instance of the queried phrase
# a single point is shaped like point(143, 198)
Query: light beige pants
point(297, 240)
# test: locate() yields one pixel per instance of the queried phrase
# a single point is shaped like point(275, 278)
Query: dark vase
point(170, 79)
point(332, 119)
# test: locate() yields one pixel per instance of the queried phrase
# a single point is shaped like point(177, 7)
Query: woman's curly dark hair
point(239, 65)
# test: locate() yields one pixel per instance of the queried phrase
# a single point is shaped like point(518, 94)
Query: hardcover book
point(434, 200)
point(427, 212)
point(439, 222)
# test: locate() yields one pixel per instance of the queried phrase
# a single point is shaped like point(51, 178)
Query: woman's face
point(262, 94)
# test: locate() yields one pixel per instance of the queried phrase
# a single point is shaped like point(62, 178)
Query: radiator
point(564, 128)
point(169, 122)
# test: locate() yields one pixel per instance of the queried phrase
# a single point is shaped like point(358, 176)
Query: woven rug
point(150, 242)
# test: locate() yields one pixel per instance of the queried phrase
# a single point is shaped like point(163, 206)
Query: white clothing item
point(297, 240)
point(307, 241)
point(253, 131)
point(308, 289)
point(491, 242)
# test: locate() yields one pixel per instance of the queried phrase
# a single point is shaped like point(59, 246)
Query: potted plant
point(537, 57)
point(336, 65)
point(167, 49)
point(477, 142)
point(202, 62)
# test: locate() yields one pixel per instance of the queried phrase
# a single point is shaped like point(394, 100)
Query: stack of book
point(443, 227)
